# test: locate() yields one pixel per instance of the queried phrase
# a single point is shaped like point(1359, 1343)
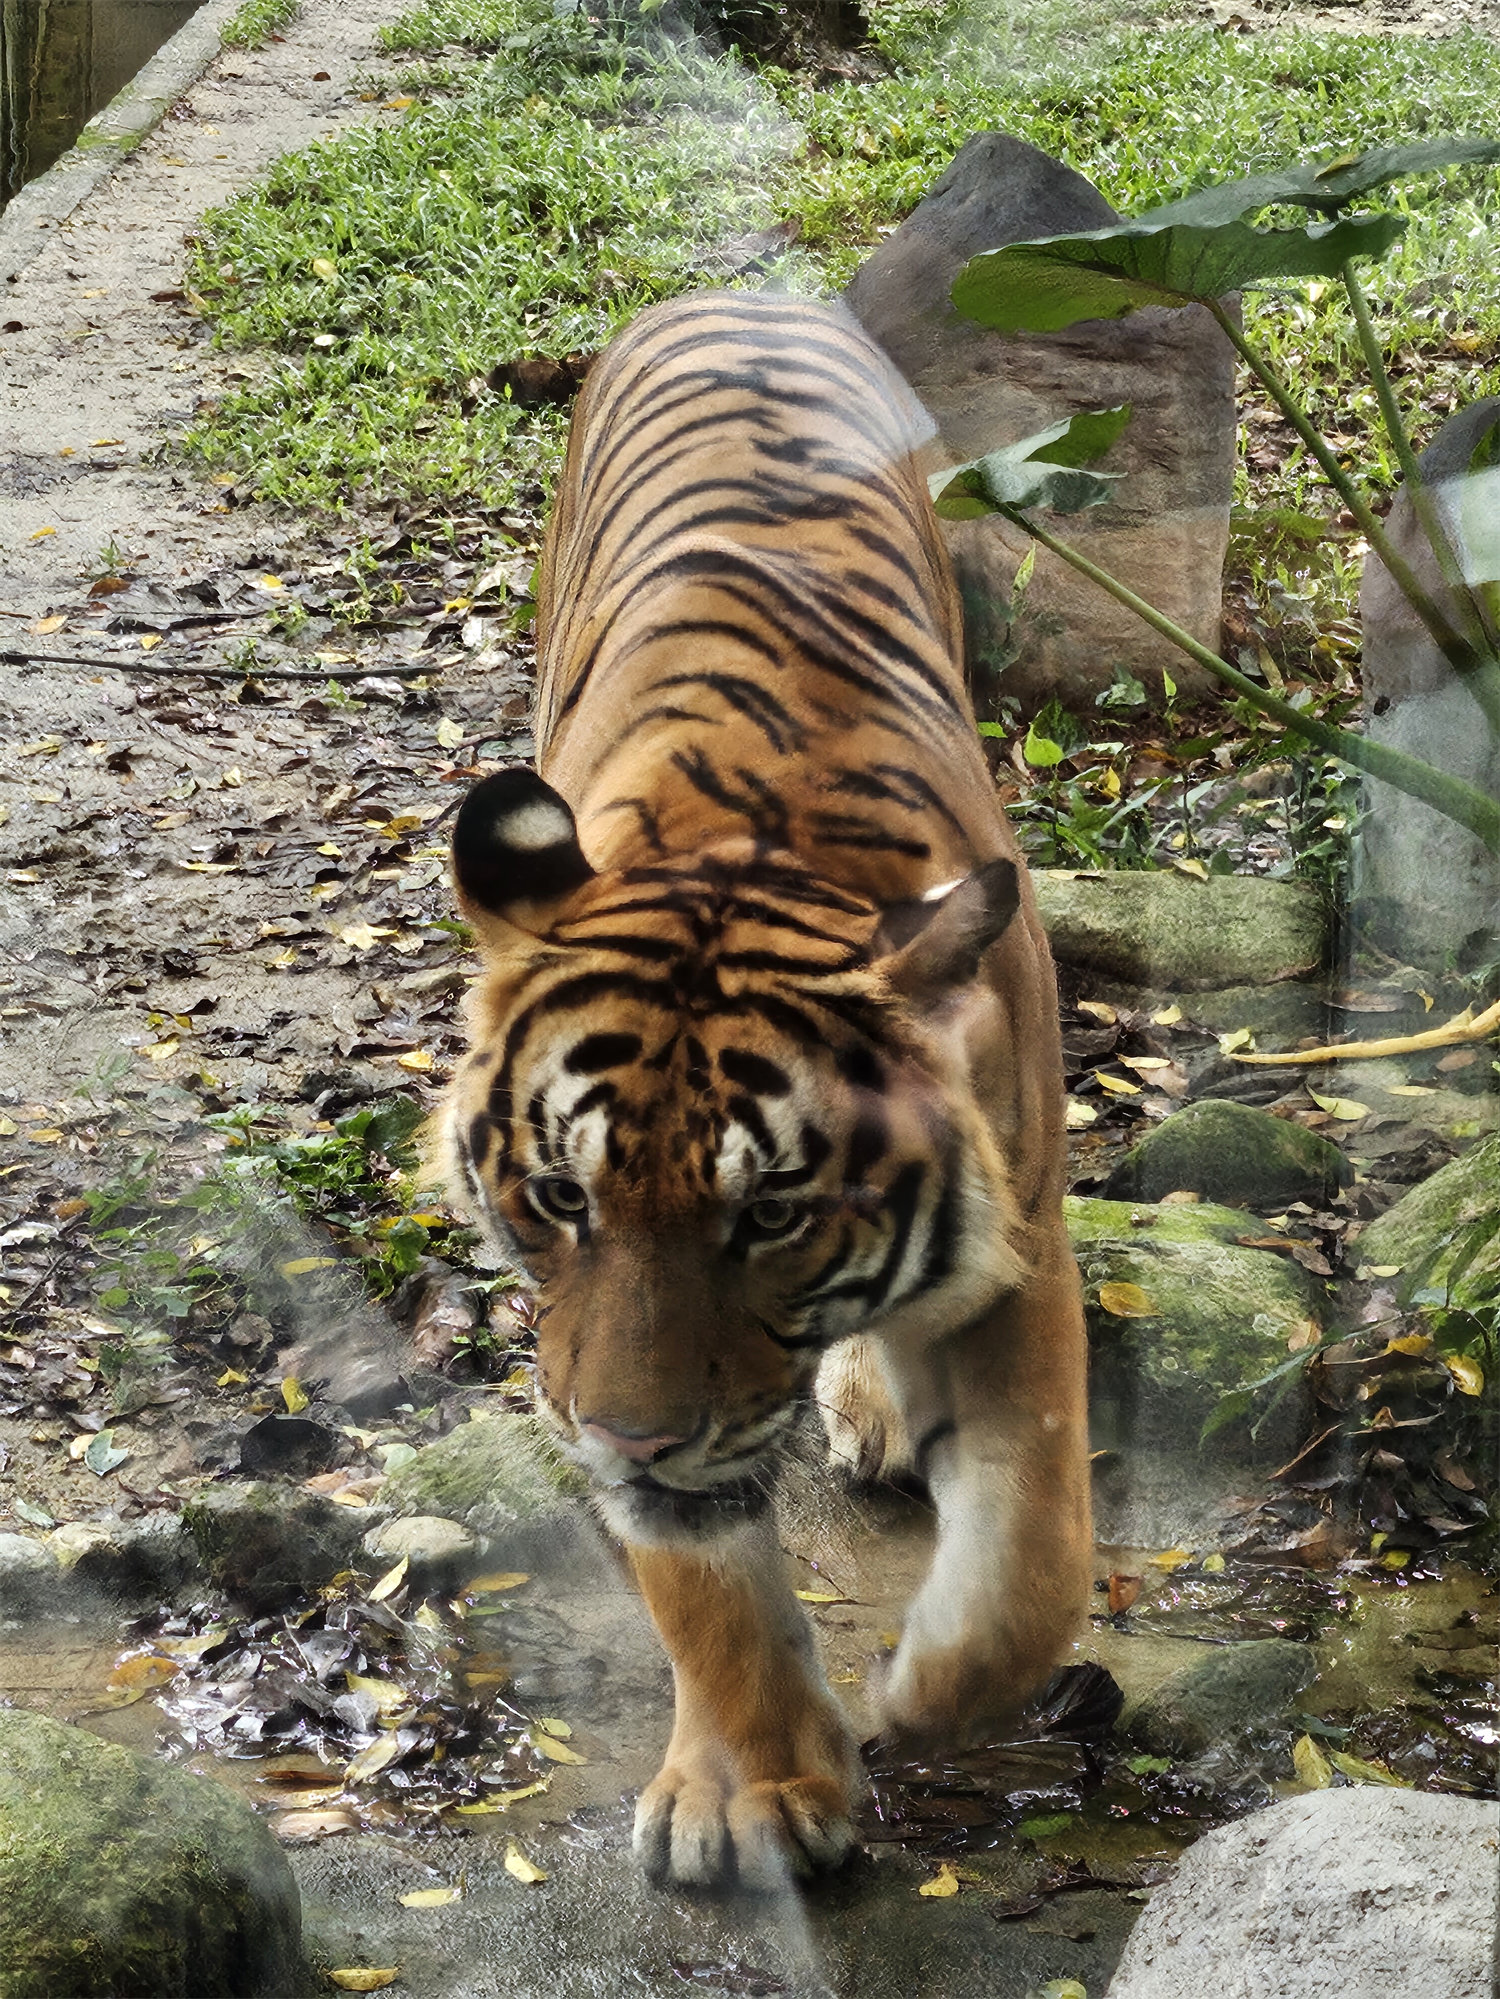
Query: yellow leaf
point(416, 1059)
point(299, 1266)
point(1237, 1037)
point(297, 1827)
point(1099, 1010)
point(45, 627)
point(1168, 1017)
point(271, 583)
point(1190, 867)
point(501, 1801)
point(822, 1596)
point(44, 746)
point(1116, 1085)
point(230, 1378)
point(233, 778)
point(150, 641)
point(1410, 1343)
point(1361, 1772)
point(324, 267)
point(1410, 1090)
point(387, 1696)
point(1345, 1109)
point(523, 1869)
point(449, 733)
point(398, 103)
point(359, 1978)
point(555, 1752)
point(558, 1730)
point(1079, 1115)
point(1172, 1558)
point(160, 1050)
point(294, 1395)
point(1213, 1565)
point(1468, 1375)
point(370, 1762)
point(492, 1584)
point(391, 1581)
point(1127, 1301)
point(1146, 1065)
point(944, 1882)
point(325, 340)
point(1312, 1766)
point(41, 534)
point(431, 1898)
point(363, 936)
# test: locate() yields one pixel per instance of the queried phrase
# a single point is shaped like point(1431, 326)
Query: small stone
point(1231, 1690)
point(75, 1539)
point(1230, 1153)
point(28, 1576)
point(501, 1476)
point(440, 1552)
point(120, 1875)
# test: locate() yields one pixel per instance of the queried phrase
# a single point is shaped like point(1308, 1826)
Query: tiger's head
point(719, 1111)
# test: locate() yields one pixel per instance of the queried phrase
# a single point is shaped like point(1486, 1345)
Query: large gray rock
point(1229, 1691)
point(123, 1879)
point(500, 1476)
point(29, 1575)
point(1367, 1892)
point(1167, 532)
point(1167, 930)
point(1425, 886)
point(1219, 1318)
point(1231, 1153)
point(1426, 1232)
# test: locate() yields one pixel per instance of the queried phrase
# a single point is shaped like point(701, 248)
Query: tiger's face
point(717, 1141)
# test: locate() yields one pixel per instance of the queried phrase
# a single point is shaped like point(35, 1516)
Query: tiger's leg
point(759, 1773)
point(999, 1415)
point(866, 1429)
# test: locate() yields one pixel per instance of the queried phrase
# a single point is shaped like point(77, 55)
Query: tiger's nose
point(640, 1450)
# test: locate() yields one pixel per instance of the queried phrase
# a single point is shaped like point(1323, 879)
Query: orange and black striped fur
point(764, 1088)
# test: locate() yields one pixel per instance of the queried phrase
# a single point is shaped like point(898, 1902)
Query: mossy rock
point(493, 1473)
point(1229, 1691)
point(1165, 929)
point(1207, 1316)
point(1229, 1152)
point(123, 1879)
point(1430, 1229)
point(267, 1544)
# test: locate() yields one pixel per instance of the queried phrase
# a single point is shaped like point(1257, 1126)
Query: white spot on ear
point(942, 889)
point(536, 826)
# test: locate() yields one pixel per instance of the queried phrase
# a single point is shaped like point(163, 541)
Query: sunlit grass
point(257, 21)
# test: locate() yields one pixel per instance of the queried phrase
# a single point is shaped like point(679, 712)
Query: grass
point(257, 21)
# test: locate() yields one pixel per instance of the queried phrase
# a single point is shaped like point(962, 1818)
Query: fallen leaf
point(449, 733)
point(1123, 1591)
point(1117, 1086)
point(1237, 1037)
point(299, 1266)
point(1468, 1375)
point(298, 1828)
point(41, 534)
point(387, 1696)
point(1079, 1115)
point(150, 641)
point(944, 1882)
point(1146, 1065)
point(370, 1762)
point(1127, 1301)
point(1172, 1558)
point(1312, 1766)
point(558, 1730)
point(294, 1395)
point(434, 1898)
point(1187, 866)
point(360, 1978)
point(416, 1059)
point(1099, 1010)
point(523, 1869)
point(45, 627)
point(363, 936)
point(323, 267)
point(1168, 1017)
point(142, 1675)
point(1345, 1109)
point(555, 1752)
point(501, 1580)
point(822, 1596)
point(1361, 1772)
point(391, 1581)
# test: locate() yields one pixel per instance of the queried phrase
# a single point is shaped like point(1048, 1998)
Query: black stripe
point(602, 1051)
point(754, 1072)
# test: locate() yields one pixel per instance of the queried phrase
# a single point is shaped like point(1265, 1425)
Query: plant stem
point(1423, 500)
point(1454, 647)
point(1451, 796)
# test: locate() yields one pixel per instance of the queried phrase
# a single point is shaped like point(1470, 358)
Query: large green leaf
point(1040, 286)
point(1326, 188)
point(1037, 471)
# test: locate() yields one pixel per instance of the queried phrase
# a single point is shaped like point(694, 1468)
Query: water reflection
point(63, 60)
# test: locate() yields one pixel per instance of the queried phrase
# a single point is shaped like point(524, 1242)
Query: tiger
point(763, 1088)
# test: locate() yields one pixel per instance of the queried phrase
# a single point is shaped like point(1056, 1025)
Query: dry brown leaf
point(1127, 1301)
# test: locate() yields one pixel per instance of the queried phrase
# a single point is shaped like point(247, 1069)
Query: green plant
point(1192, 252)
point(257, 21)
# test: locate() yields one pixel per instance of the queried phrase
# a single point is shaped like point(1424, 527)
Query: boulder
point(500, 1476)
point(121, 1878)
point(128, 1561)
point(1214, 1318)
point(440, 1553)
point(1433, 1227)
point(1378, 1893)
point(1167, 532)
point(267, 1544)
point(1229, 1691)
point(1231, 1153)
point(1167, 930)
point(1425, 887)
point(29, 1575)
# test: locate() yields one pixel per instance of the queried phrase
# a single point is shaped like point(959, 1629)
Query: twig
point(130, 665)
point(1466, 1026)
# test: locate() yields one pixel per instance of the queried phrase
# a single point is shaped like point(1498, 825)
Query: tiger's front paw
point(698, 1829)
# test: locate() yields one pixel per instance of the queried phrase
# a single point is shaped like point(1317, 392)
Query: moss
point(119, 1876)
point(486, 1471)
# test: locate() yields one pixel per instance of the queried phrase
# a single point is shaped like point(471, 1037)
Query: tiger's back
point(765, 1076)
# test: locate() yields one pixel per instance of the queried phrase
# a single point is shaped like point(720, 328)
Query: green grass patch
point(257, 21)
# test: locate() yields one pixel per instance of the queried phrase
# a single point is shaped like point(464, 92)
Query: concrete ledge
point(110, 135)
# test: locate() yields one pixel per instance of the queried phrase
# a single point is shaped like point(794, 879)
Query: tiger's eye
point(560, 1197)
point(772, 1217)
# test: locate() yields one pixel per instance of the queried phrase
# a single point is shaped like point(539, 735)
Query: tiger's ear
point(933, 943)
point(515, 851)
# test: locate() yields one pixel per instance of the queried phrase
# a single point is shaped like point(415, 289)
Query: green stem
point(1451, 796)
point(1454, 647)
point(1423, 501)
